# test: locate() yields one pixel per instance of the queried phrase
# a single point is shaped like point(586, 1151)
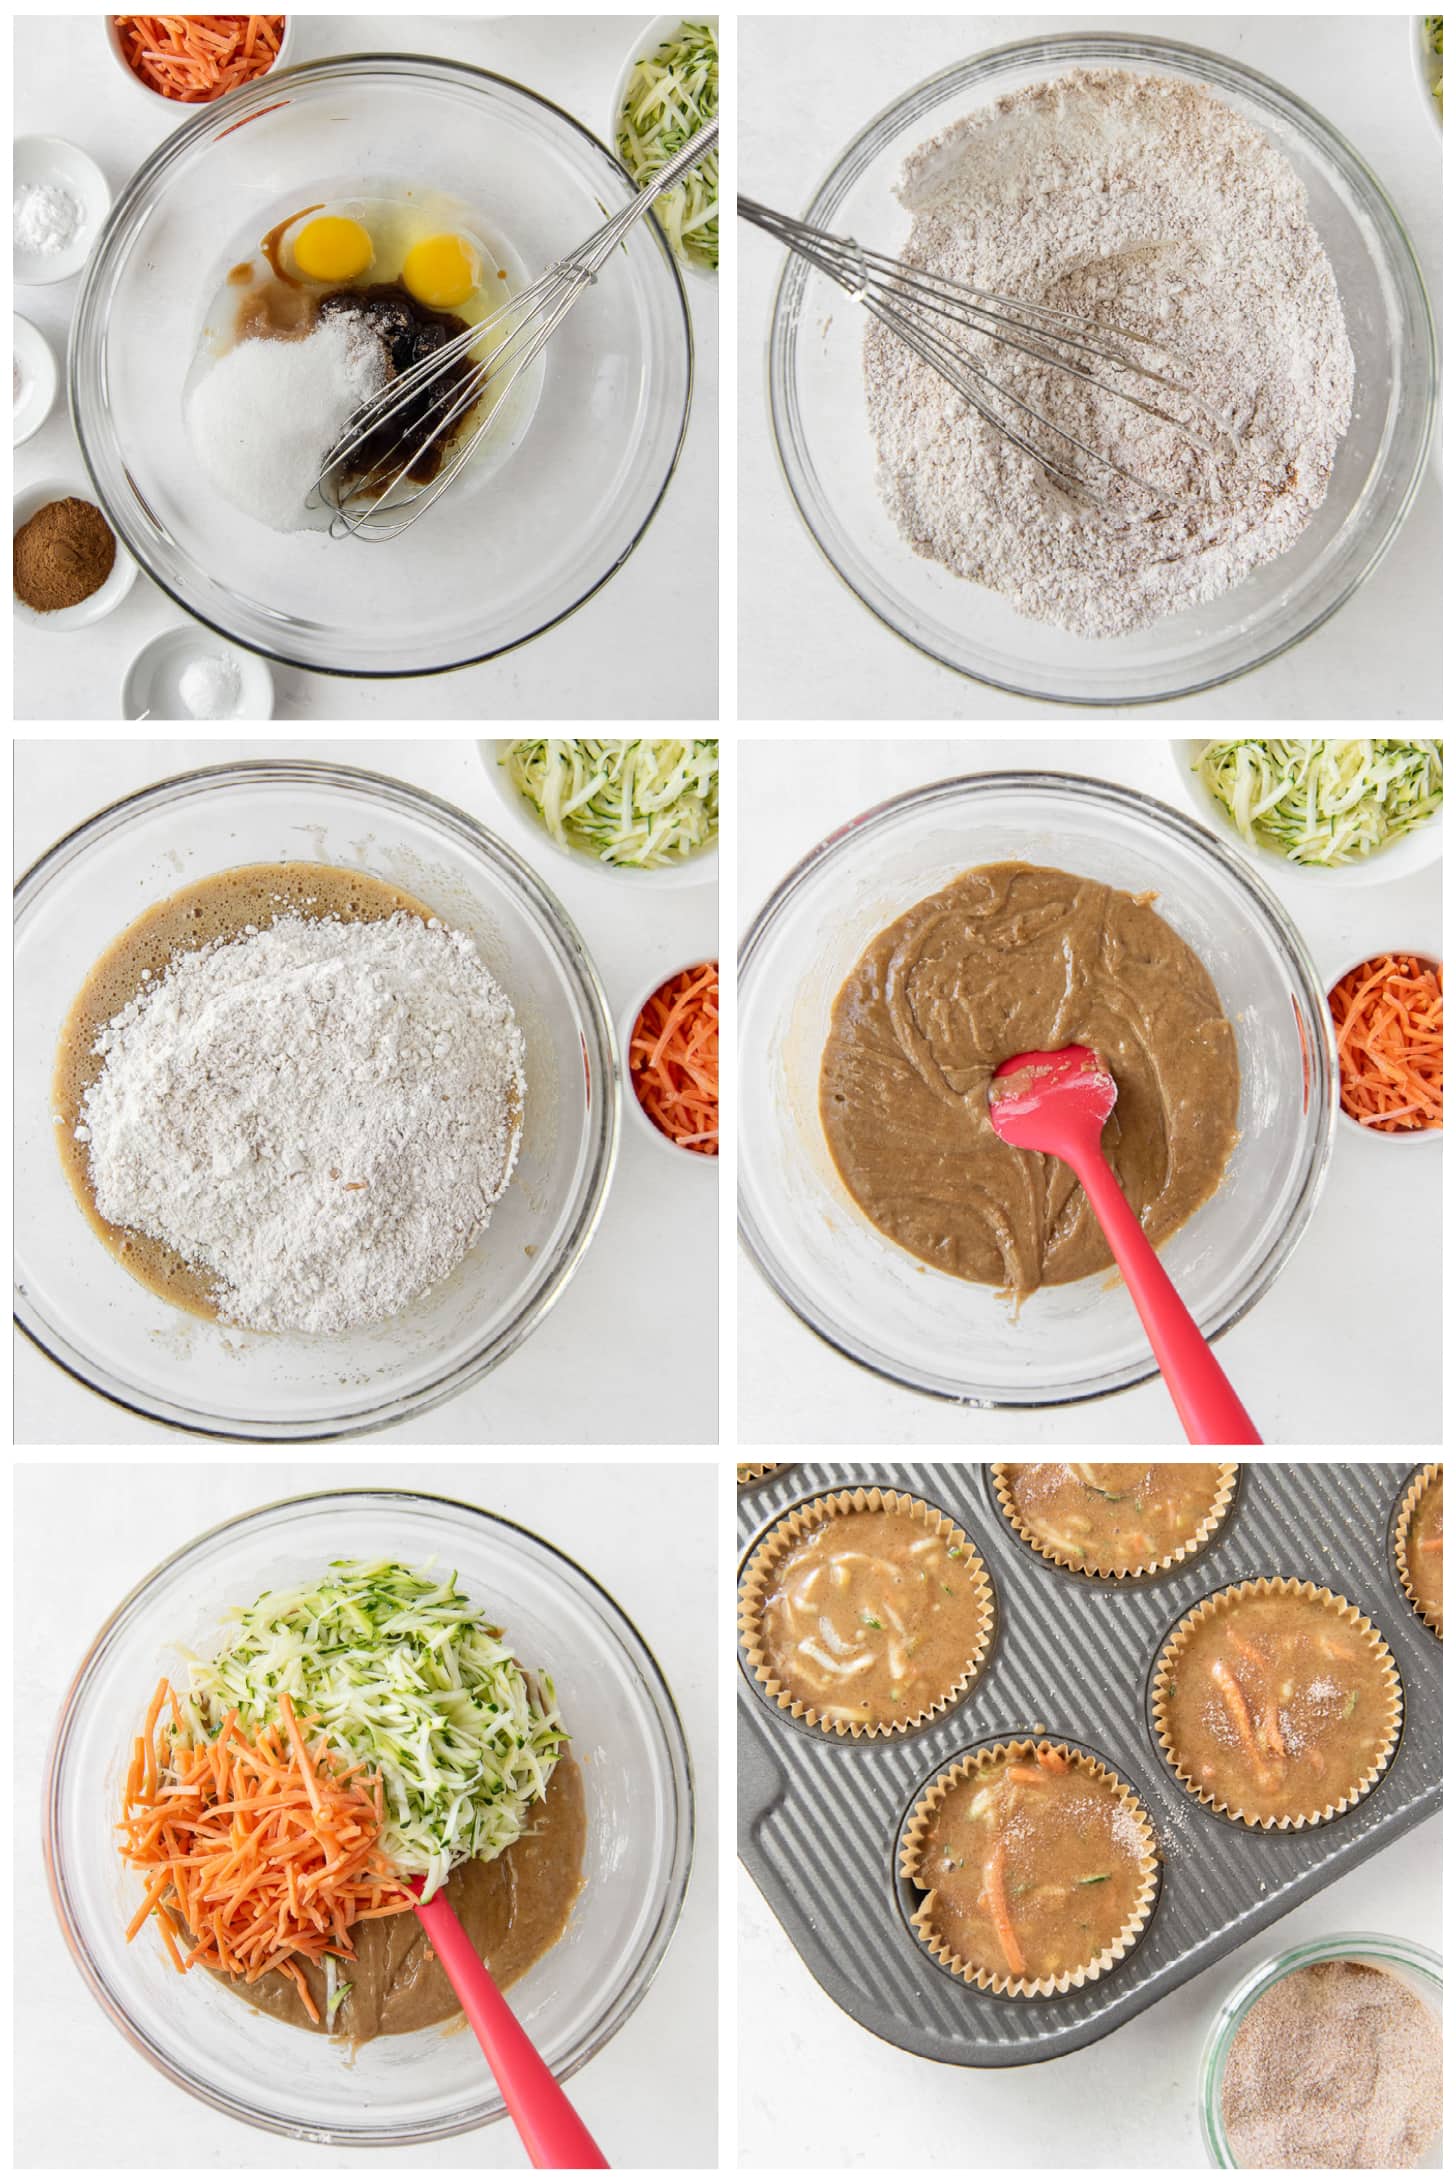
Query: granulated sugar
point(321, 1114)
point(1150, 204)
point(1338, 2066)
point(262, 420)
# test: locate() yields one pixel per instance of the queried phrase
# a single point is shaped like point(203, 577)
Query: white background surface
point(1126, 2102)
point(83, 2098)
point(66, 84)
point(1312, 1361)
point(653, 1261)
point(807, 649)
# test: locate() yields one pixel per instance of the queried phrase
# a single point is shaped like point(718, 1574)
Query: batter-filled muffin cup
point(865, 1612)
point(1115, 1520)
point(750, 1474)
point(1277, 1703)
point(1418, 1544)
point(1038, 1866)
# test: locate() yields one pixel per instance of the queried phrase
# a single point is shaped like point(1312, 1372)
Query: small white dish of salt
point(188, 674)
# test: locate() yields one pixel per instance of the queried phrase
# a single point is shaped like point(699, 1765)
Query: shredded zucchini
point(1436, 43)
point(670, 95)
point(404, 1675)
point(1324, 802)
point(643, 805)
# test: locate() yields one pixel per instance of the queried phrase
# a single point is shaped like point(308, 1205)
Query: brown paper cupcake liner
point(1025, 1530)
point(1404, 1518)
point(758, 1580)
point(750, 1474)
point(1288, 1588)
point(922, 1819)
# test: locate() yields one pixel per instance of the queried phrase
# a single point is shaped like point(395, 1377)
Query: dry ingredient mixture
point(62, 555)
point(1148, 203)
point(303, 1123)
point(1338, 2066)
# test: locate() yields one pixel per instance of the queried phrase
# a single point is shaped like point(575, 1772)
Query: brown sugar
point(1338, 2066)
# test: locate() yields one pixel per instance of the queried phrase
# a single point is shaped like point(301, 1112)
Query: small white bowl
point(1413, 853)
point(700, 870)
point(1348, 1122)
point(38, 379)
point(181, 107)
point(1425, 67)
point(54, 162)
point(151, 689)
point(626, 1024)
point(28, 502)
point(647, 42)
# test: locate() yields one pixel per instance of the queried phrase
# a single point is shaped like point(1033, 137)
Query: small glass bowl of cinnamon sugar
point(1361, 2011)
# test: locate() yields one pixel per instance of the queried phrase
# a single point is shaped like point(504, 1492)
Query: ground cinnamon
point(63, 555)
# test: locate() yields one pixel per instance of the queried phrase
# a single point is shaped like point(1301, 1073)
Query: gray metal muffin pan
point(820, 1817)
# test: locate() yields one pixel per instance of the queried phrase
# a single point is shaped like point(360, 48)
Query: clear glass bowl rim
point(590, 993)
point(241, 104)
point(1391, 1949)
point(663, 1704)
point(1222, 72)
point(1321, 1055)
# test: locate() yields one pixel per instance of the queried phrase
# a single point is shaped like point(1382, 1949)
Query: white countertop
point(590, 666)
point(83, 2099)
point(1310, 1362)
point(818, 2091)
point(807, 649)
point(654, 1261)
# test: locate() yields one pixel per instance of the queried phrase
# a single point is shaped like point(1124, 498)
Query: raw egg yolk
point(441, 271)
point(333, 249)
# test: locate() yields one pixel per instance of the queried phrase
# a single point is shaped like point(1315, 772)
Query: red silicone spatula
point(1058, 1104)
point(552, 2132)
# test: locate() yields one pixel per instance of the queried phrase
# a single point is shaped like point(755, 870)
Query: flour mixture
point(289, 1098)
point(1148, 203)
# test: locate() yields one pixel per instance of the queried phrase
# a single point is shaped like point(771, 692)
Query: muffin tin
point(820, 1819)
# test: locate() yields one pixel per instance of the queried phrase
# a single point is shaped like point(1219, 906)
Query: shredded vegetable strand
point(1324, 802)
point(1388, 1026)
point(643, 804)
point(673, 1058)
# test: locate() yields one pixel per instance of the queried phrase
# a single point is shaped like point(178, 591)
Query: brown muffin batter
point(1008, 959)
point(218, 907)
point(1279, 1706)
point(1115, 1518)
point(514, 1908)
point(873, 1617)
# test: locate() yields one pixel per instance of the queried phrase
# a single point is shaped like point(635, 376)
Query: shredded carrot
point(196, 58)
point(257, 1850)
point(1388, 1026)
point(1024, 1774)
point(1236, 1707)
point(995, 1881)
point(673, 1058)
point(1052, 1761)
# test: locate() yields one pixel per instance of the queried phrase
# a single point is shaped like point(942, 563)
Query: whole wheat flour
point(1148, 203)
point(322, 1114)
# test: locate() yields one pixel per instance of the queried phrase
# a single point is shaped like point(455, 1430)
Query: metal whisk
point(381, 500)
point(929, 313)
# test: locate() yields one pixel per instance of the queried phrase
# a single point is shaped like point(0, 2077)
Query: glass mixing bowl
point(410, 2087)
point(77, 1303)
point(871, 1300)
point(486, 569)
point(816, 393)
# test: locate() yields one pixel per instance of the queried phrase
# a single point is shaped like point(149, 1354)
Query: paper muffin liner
point(1228, 1476)
point(922, 1820)
point(758, 1580)
point(1404, 1518)
point(1287, 1588)
point(750, 1474)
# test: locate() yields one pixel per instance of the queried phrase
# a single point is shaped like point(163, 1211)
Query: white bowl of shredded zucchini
point(1428, 46)
point(667, 89)
point(1354, 810)
point(643, 809)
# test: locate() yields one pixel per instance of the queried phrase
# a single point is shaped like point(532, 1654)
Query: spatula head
point(1048, 1103)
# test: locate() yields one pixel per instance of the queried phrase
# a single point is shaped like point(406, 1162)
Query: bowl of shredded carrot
point(670, 1045)
point(1387, 1014)
point(191, 60)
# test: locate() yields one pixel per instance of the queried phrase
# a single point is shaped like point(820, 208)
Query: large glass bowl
point(816, 393)
point(116, 1337)
point(910, 1322)
point(486, 569)
point(408, 2087)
